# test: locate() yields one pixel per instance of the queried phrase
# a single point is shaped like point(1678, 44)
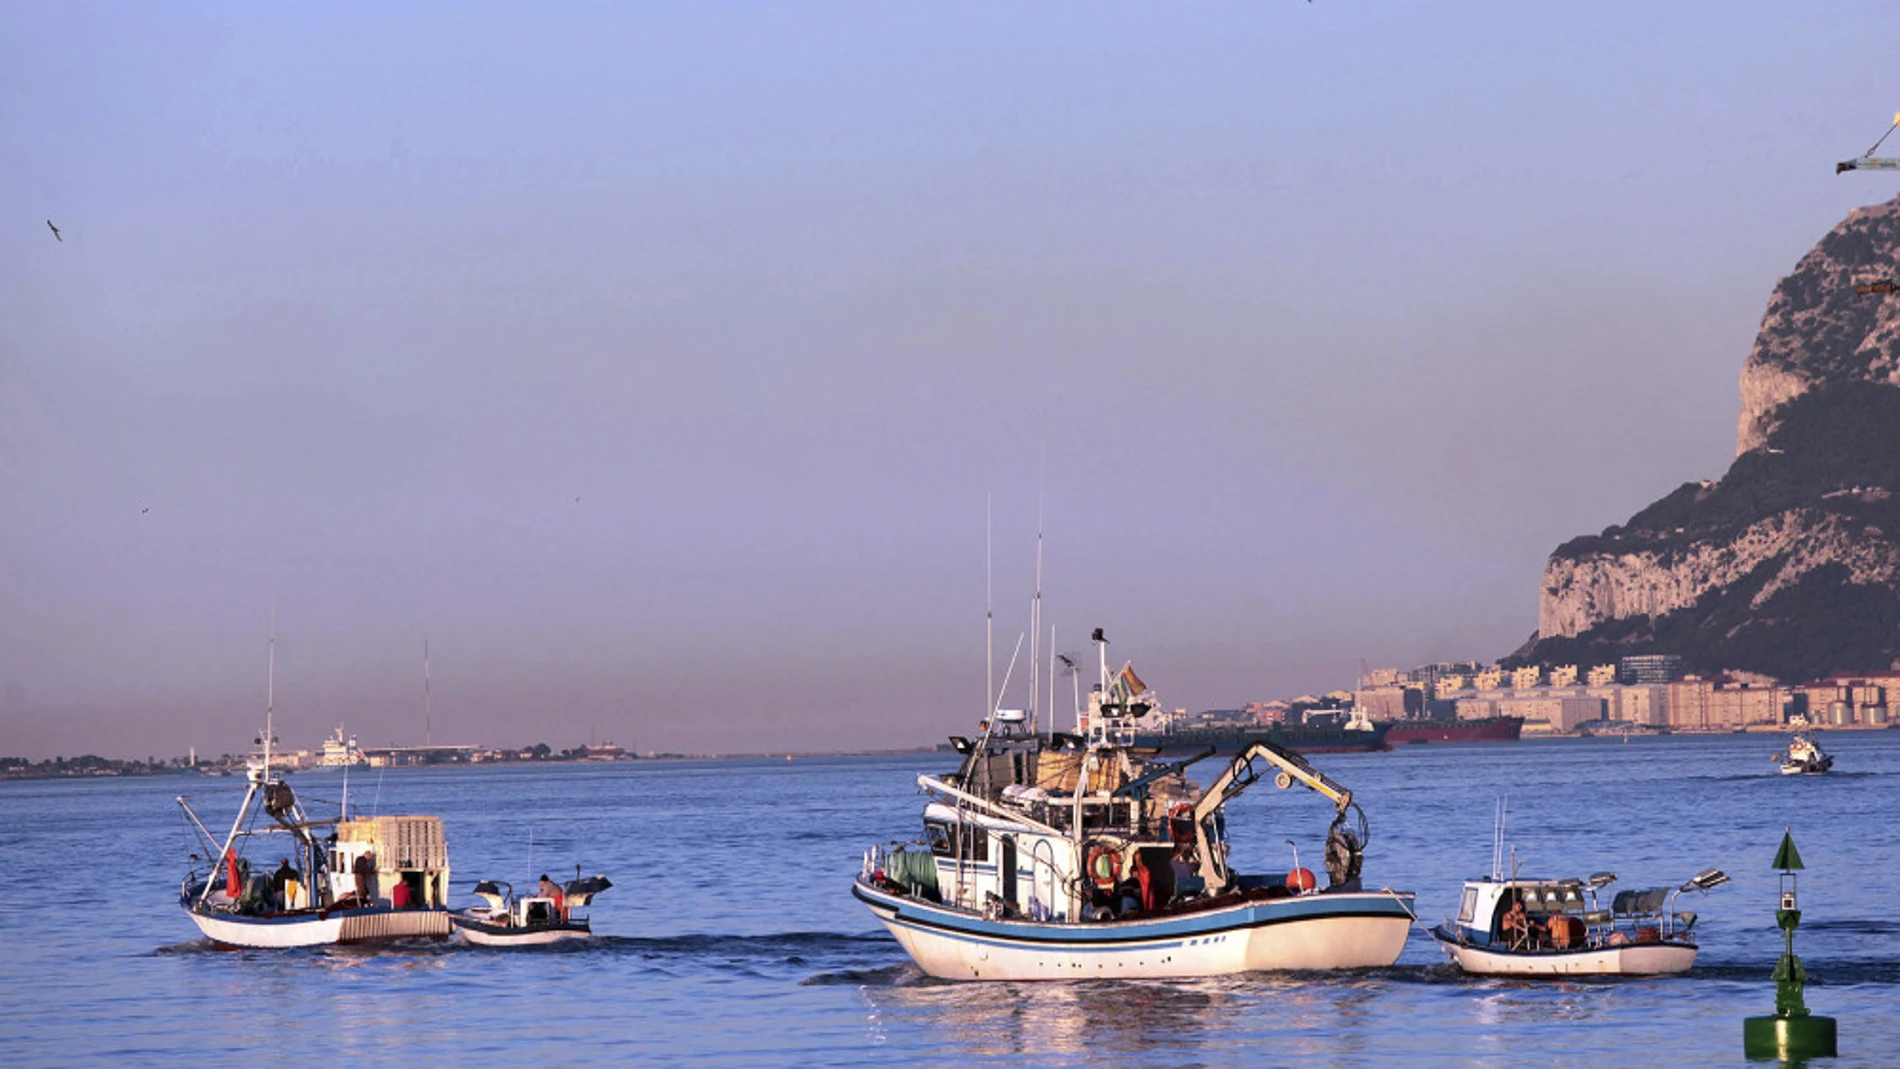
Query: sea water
point(731, 937)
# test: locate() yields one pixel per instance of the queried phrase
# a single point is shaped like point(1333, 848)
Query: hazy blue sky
point(1335, 319)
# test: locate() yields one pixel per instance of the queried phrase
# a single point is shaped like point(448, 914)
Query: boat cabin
point(396, 861)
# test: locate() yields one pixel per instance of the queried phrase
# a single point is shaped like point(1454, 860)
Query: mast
point(270, 691)
point(428, 709)
point(989, 610)
point(1035, 612)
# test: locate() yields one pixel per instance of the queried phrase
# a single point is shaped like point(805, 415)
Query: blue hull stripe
point(1112, 935)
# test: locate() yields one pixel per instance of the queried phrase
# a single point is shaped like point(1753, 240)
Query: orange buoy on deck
point(1300, 880)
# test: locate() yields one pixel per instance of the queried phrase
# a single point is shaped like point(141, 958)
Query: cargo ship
point(1299, 738)
point(1490, 729)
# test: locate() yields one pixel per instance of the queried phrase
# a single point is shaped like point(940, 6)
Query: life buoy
point(1104, 865)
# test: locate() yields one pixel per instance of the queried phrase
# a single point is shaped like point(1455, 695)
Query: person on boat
point(550, 889)
point(1516, 925)
point(399, 895)
point(365, 871)
point(283, 883)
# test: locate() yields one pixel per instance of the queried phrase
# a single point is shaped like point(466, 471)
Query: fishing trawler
point(1515, 926)
point(354, 880)
point(1073, 856)
point(1804, 758)
point(538, 919)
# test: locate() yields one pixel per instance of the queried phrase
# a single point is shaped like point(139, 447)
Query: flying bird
point(55, 230)
point(145, 512)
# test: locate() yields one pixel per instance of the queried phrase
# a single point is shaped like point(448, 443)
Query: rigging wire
point(1883, 137)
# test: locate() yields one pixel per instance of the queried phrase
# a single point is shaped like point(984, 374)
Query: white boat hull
point(524, 937)
point(1633, 959)
point(1342, 931)
point(311, 929)
point(475, 927)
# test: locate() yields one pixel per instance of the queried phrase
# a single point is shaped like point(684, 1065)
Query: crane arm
point(1868, 163)
point(1240, 774)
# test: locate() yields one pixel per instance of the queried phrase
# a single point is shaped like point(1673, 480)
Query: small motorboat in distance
point(539, 919)
point(1804, 758)
point(1534, 928)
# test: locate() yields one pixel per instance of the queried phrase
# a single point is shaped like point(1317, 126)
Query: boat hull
point(1632, 959)
point(1495, 729)
point(320, 928)
point(1324, 931)
point(481, 933)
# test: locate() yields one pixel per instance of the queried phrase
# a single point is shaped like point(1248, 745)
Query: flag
point(1128, 684)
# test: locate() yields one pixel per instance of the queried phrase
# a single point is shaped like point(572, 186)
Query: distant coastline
point(92, 766)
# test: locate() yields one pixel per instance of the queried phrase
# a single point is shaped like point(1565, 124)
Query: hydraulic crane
point(1867, 161)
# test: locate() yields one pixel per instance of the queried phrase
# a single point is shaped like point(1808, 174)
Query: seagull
point(145, 512)
point(55, 230)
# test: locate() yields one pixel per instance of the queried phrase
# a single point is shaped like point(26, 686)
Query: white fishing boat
point(352, 881)
point(548, 916)
point(1077, 857)
point(1515, 926)
point(1804, 758)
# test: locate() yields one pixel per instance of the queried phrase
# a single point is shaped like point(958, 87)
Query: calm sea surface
point(731, 937)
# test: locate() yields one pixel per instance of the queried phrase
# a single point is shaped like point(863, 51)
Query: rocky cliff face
point(1788, 565)
point(1817, 330)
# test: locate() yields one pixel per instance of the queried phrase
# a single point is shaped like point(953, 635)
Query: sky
point(693, 376)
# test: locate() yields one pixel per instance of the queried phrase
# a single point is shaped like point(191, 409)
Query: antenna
point(1497, 839)
point(428, 707)
point(1052, 682)
point(989, 610)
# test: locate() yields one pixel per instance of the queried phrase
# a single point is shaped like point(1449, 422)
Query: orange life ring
point(1104, 866)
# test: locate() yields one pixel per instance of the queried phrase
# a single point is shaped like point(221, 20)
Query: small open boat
point(1804, 757)
point(532, 920)
point(1541, 927)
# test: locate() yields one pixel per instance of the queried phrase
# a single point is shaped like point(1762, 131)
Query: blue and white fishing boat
point(1556, 927)
point(1080, 856)
point(1511, 925)
point(352, 881)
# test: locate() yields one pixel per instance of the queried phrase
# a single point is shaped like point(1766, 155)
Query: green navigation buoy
point(1793, 1033)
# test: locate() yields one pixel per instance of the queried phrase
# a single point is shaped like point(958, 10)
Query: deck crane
point(1867, 161)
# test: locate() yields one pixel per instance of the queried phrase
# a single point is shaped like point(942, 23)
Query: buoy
point(1792, 1034)
point(1301, 881)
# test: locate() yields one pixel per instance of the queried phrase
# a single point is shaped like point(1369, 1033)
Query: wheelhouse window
point(938, 836)
point(942, 839)
point(1468, 908)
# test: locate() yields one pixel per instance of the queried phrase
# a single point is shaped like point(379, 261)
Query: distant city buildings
point(1648, 668)
point(1642, 692)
